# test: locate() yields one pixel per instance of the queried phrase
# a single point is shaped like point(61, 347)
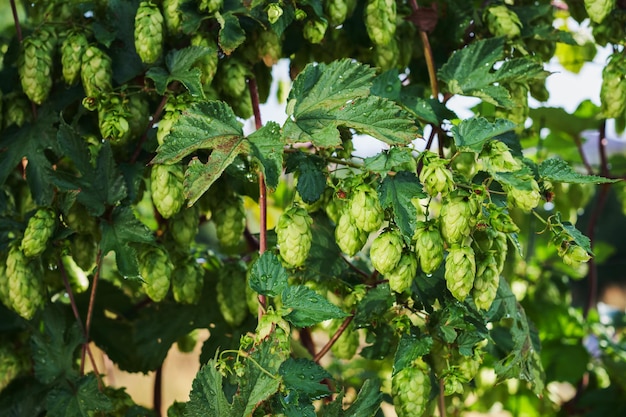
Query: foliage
point(456, 268)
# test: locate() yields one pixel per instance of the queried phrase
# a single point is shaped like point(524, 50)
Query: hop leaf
point(460, 271)
point(166, 185)
point(38, 232)
point(294, 237)
point(386, 251)
point(148, 32)
point(365, 208)
point(156, 269)
point(410, 389)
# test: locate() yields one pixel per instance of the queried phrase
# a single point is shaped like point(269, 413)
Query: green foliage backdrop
point(456, 270)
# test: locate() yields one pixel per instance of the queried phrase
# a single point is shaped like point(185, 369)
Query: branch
point(428, 51)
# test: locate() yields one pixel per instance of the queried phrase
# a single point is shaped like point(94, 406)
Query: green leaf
point(579, 238)
point(373, 306)
point(516, 179)
point(410, 347)
point(387, 85)
point(54, 347)
point(471, 134)
point(470, 71)
point(231, 34)
point(81, 398)
point(179, 63)
point(268, 276)
point(310, 173)
point(207, 398)
point(117, 235)
point(267, 146)
point(305, 377)
point(308, 307)
point(367, 401)
point(557, 170)
point(398, 192)
point(394, 159)
point(324, 261)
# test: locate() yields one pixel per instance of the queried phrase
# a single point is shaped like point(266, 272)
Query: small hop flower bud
point(155, 268)
point(410, 389)
point(486, 282)
point(148, 32)
point(348, 236)
point(380, 20)
point(386, 251)
point(210, 6)
point(428, 246)
point(401, 277)
point(573, 254)
point(293, 234)
point(166, 186)
point(314, 30)
point(497, 157)
point(230, 293)
point(38, 232)
point(274, 12)
point(460, 271)
point(26, 289)
point(503, 21)
point(229, 217)
point(456, 218)
point(72, 51)
point(527, 198)
point(187, 282)
point(365, 208)
point(435, 176)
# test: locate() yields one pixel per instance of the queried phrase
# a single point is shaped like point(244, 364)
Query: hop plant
point(496, 157)
point(155, 268)
point(230, 293)
point(435, 176)
point(486, 282)
point(166, 186)
point(72, 50)
point(35, 64)
point(172, 16)
point(148, 32)
point(207, 63)
point(187, 281)
point(365, 208)
point(268, 47)
point(183, 226)
point(24, 276)
point(380, 20)
point(503, 21)
point(571, 253)
point(501, 221)
point(96, 72)
point(314, 30)
point(232, 78)
point(460, 271)
point(113, 119)
point(613, 89)
point(401, 277)
point(428, 246)
point(293, 235)
point(598, 10)
point(348, 236)
point(410, 389)
point(38, 232)
point(336, 11)
point(456, 218)
point(386, 251)
point(230, 221)
point(527, 198)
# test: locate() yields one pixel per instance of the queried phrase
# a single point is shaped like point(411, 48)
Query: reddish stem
point(92, 296)
point(333, 339)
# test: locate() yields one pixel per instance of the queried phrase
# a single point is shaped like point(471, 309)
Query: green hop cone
point(274, 12)
point(210, 6)
point(500, 249)
point(19, 112)
point(380, 20)
point(613, 89)
point(386, 251)
point(38, 232)
point(35, 64)
point(486, 282)
point(365, 208)
point(4, 282)
point(113, 119)
point(336, 11)
point(148, 32)
point(468, 366)
point(187, 282)
point(26, 290)
point(335, 208)
point(346, 345)
point(96, 72)
point(166, 186)
point(229, 218)
point(72, 50)
point(573, 254)
point(230, 293)
point(293, 235)
point(172, 16)
point(385, 57)
point(84, 248)
point(496, 157)
point(456, 218)
point(314, 30)
point(155, 268)
point(171, 112)
point(527, 198)
point(435, 176)
point(460, 271)
point(410, 389)
point(503, 21)
point(598, 10)
point(11, 365)
point(232, 76)
point(269, 47)
point(428, 246)
point(138, 114)
point(207, 64)
point(184, 225)
point(502, 222)
point(349, 238)
point(401, 277)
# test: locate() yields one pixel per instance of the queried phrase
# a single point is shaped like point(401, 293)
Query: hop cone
point(26, 291)
point(460, 271)
point(293, 234)
point(4, 281)
point(502, 222)
point(613, 90)
point(486, 282)
point(269, 47)
point(336, 11)
point(35, 65)
point(207, 63)
point(598, 10)
point(171, 112)
point(166, 185)
point(187, 282)
point(183, 226)
point(468, 366)
point(499, 249)
point(573, 254)
point(435, 176)
point(72, 49)
point(210, 6)
point(527, 198)
point(172, 16)
point(410, 389)
point(349, 238)
point(155, 268)
point(456, 218)
point(231, 288)
point(113, 119)
point(380, 20)
point(502, 21)
point(401, 277)
point(138, 114)
point(314, 30)
point(346, 346)
point(84, 250)
point(79, 219)
point(19, 112)
point(10, 365)
point(230, 221)
point(497, 157)
point(386, 251)
point(38, 232)
point(96, 72)
point(386, 56)
point(274, 12)
point(428, 246)
point(232, 78)
point(335, 208)
point(148, 32)
point(365, 208)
